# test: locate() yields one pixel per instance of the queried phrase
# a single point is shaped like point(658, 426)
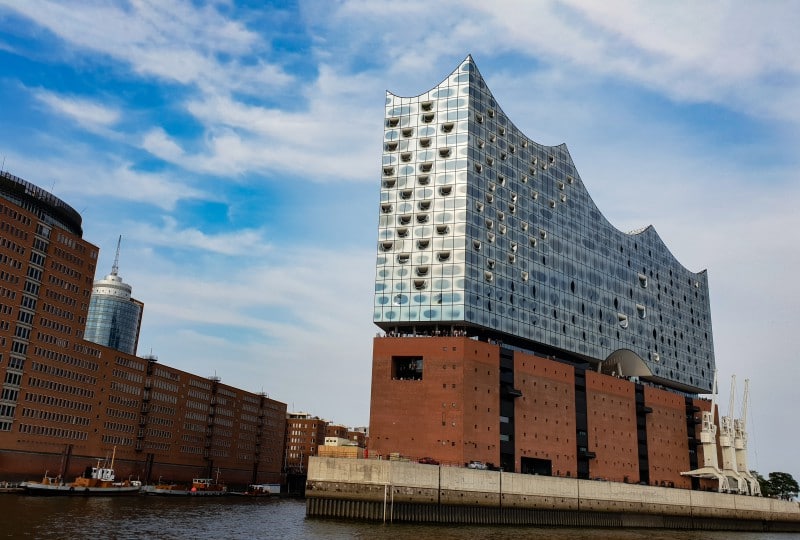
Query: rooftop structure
point(46, 206)
point(487, 233)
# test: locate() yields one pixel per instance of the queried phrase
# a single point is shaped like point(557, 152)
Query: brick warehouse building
point(67, 402)
point(522, 328)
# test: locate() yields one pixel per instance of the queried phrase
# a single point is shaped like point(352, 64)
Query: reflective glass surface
point(479, 226)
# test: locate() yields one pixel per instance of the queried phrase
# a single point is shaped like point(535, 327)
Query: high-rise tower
point(114, 317)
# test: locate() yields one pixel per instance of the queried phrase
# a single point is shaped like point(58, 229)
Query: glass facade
point(113, 319)
point(482, 229)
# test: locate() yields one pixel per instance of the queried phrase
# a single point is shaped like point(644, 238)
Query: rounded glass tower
point(114, 317)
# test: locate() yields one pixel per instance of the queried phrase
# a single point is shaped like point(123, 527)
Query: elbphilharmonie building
point(484, 232)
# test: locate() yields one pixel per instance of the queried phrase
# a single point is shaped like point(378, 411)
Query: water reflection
point(149, 517)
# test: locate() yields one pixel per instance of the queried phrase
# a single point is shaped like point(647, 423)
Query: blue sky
point(236, 146)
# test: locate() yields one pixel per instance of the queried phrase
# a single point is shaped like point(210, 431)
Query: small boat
point(10, 487)
point(200, 487)
point(260, 490)
point(166, 489)
point(207, 486)
point(99, 480)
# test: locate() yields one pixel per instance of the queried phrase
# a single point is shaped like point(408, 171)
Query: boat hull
point(36, 488)
point(166, 491)
point(177, 492)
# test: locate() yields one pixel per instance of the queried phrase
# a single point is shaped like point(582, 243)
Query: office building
point(305, 433)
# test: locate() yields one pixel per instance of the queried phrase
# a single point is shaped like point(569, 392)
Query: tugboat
point(202, 487)
point(99, 480)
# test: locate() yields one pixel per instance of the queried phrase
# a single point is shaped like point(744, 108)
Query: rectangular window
point(407, 368)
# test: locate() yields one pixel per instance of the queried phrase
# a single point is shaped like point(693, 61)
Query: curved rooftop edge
point(647, 229)
point(42, 202)
point(651, 230)
point(485, 231)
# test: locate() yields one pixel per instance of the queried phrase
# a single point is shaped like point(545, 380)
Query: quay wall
point(405, 491)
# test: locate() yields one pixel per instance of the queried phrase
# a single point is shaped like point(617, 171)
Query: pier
point(396, 491)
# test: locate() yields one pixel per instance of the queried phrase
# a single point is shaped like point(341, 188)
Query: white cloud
point(175, 42)
point(329, 139)
point(84, 111)
point(248, 242)
point(735, 54)
point(95, 180)
point(157, 142)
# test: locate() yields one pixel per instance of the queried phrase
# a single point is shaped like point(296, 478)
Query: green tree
point(766, 488)
point(783, 485)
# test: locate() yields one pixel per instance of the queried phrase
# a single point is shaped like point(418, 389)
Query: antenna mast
point(115, 268)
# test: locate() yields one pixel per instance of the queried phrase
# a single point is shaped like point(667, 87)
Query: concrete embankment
point(410, 492)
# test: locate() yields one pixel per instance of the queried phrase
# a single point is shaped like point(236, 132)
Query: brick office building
point(522, 328)
point(67, 402)
point(304, 434)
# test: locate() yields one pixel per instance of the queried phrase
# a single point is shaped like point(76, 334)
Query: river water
point(146, 517)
